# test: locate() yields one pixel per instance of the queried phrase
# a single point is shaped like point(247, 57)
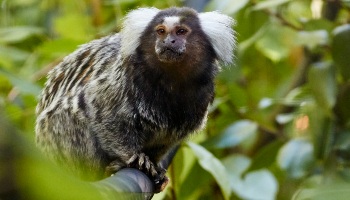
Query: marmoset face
point(171, 39)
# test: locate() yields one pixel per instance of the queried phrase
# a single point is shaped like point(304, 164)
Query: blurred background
point(279, 127)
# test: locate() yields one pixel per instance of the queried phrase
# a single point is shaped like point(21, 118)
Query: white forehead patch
point(171, 22)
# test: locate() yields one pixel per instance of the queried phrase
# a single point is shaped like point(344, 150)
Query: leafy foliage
point(280, 125)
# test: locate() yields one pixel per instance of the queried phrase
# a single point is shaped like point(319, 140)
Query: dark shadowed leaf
point(341, 49)
point(266, 156)
point(323, 85)
point(342, 107)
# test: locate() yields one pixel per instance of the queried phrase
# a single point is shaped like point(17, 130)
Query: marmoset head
point(178, 34)
point(171, 39)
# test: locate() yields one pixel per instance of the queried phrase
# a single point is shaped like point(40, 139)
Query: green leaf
point(23, 85)
point(183, 163)
point(342, 107)
point(266, 156)
point(74, 26)
point(265, 103)
point(235, 134)
point(14, 112)
point(18, 33)
point(323, 85)
point(326, 192)
point(236, 164)
point(342, 148)
point(341, 49)
point(297, 96)
point(296, 157)
point(12, 53)
point(59, 47)
point(244, 45)
point(312, 39)
point(285, 118)
point(318, 24)
point(227, 6)
point(194, 183)
point(276, 42)
point(320, 129)
point(213, 166)
point(260, 184)
point(269, 4)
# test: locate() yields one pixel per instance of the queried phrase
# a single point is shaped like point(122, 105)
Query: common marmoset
point(124, 100)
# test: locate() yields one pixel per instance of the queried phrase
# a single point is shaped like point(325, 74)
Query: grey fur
point(106, 106)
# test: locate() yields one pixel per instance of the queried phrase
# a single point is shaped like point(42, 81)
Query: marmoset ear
point(135, 22)
point(218, 27)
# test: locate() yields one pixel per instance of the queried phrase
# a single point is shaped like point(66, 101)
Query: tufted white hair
point(218, 27)
point(134, 24)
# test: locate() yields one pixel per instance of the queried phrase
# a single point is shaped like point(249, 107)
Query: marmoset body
point(126, 99)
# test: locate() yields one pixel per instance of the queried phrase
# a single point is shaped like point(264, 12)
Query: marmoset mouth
point(170, 55)
point(168, 50)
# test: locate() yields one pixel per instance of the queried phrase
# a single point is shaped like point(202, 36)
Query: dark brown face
point(171, 39)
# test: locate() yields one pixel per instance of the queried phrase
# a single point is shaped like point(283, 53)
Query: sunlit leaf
point(265, 103)
point(13, 53)
point(318, 24)
point(236, 164)
point(213, 165)
point(312, 39)
point(18, 33)
point(269, 4)
point(285, 118)
point(260, 184)
point(73, 26)
point(59, 47)
point(234, 135)
point(297, 96)
point(296, 157)
point(330, 191)
point(216, 103)
point(244, 45)
point(276, 42)
point(227, 6)
point(23, 85)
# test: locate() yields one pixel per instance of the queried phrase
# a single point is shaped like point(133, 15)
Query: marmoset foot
point(156, 173)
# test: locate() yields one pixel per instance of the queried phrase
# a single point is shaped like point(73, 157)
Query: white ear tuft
point(219, 29)
point(135, 22)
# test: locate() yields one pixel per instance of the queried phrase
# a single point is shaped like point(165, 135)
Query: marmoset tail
point(124, 100)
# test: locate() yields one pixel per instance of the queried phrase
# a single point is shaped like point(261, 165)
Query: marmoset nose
point(169, 40)
point(172, 41)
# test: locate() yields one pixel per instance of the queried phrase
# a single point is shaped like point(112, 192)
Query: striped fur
point(113, 98)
